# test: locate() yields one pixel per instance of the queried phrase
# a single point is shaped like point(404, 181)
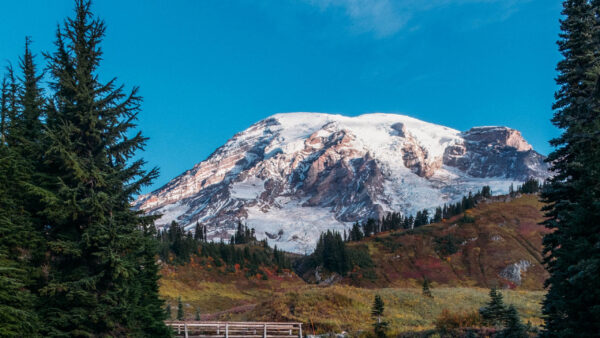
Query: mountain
point(292, 176)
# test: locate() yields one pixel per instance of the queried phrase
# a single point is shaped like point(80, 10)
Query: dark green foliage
point(447, 245)
point(67, 178)
point(438, 216)
point(396, 221)
point(243, 234)
point(180, 312)
point(168, 312)
point(513, 327)
point(16, 317)
point(356, 234)
point(531, 186)
point(331, 253)
point(176, 246)
point(199, 232)
point(177, 241)
point(427, 288)
point(378, 307)
point(197, 316)
point(572, 194)
point(494, 313)
point(21, 242)
point(75, 259)
point(379, 327)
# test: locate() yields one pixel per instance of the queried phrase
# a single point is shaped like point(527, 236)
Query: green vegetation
point(572, 249)
point(176, 246)
point(380, 326)
point(391, 264)
point(494, 313)
point(426, 290)
point(396, 221)
point(75, 259)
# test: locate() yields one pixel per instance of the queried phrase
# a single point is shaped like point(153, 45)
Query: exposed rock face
point(514, 271)
point(298, 174)
point(495, 152)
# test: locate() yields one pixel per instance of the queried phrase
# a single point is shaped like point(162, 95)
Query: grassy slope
point(401, 260)
point(503, 233)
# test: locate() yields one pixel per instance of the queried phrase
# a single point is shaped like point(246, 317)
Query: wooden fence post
point(300, 330)
point(226, 330)
point(185, 330)
point(264, 330)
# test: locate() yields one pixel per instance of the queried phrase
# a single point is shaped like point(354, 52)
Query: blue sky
point(210, 68)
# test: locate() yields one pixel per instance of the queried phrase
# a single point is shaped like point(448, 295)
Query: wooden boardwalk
point(196, 329)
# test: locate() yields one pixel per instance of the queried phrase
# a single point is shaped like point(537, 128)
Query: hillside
point(292, 176)
point(502, 232)
point(498, 243)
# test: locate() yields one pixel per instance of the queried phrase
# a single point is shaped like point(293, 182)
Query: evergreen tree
point(356, 234)
point(427, 288)
point(438, 215)
point(197, 317)
point(380, 327)
point(96, 285)
point(199, 232)
point(572, 248)
point(180, 313)
point(513, 327)
point(168, 312)
point(495, 311)
point(21, 245)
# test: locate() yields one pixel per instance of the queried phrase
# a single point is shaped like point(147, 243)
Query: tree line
point(178, 246)
point(75, 259)
point(397, 221)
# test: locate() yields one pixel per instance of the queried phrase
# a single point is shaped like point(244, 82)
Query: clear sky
point(210, 68)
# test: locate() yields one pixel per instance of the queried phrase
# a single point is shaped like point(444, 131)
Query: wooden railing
point(195, 329)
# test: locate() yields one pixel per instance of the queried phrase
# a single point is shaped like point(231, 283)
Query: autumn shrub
point(450, 321)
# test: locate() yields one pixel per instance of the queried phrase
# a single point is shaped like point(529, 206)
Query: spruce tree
point(97, 285)
point(180, 313)
point(513, 327)
point(571, 306)
point(380, 326)
point(427, 288)
point(168, 312)
point(21, 244)
point(495, 311)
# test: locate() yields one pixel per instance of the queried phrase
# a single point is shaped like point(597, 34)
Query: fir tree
point(380, 327)
point(197, 317)
point(97, 285)
point(427, 288)
point(513, 327)
point(180, 313)
point(571, 306)
point(199, 232)
point(168, 312)
point(21, 245)
point(495, 311)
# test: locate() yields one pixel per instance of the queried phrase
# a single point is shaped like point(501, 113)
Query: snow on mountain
point(293, 175)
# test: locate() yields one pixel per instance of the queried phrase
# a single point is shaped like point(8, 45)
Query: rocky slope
point(291, 176)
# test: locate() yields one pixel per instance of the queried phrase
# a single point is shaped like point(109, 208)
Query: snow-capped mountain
point(292, 176)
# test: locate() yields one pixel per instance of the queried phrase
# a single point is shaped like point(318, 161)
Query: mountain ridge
point(293, 175)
